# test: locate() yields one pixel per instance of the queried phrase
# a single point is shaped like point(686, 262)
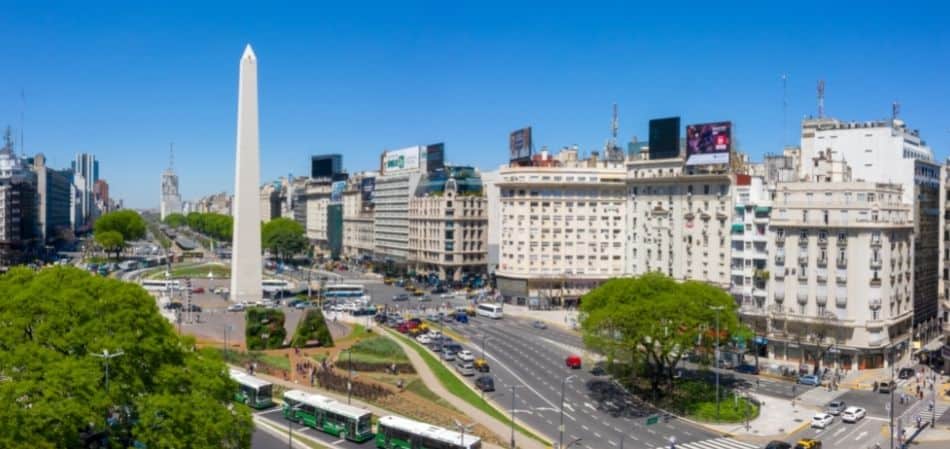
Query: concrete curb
point(533, 443)
point(269, 427)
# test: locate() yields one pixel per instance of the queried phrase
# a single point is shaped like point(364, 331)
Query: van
point(465, 368)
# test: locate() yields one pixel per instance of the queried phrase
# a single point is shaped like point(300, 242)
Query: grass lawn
point(277, 361)
point(697, 400)
point(455, 386)
point(378, 349)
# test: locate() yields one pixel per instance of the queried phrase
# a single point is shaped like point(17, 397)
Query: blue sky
point(123, 81)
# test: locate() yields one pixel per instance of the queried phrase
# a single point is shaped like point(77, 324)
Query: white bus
point(271, 286)
point(399, 432)
point(344, 291)
point(493, 311)
point(325, 414)
point(253, 392)
point(157, 285)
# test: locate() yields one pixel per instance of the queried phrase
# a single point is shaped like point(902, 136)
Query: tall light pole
point(560, 427)
point(890, 408)
point(462, 428)
point(716, 359)
point(513, 386)
point(106, 356)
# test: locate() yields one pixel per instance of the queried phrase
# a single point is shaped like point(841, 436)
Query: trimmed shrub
point(312, 329)
point(264, 329)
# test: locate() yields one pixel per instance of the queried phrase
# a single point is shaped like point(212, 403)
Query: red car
point(198, 290)
point(573, 361)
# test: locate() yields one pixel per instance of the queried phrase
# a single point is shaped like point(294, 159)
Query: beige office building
point(842, 271)
point(358, 217)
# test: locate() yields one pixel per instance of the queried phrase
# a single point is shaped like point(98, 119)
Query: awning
point(740, 208)
point(763, 209)
point(738, 227)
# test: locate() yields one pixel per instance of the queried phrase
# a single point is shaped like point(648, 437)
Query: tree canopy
point(110, 241)
point(653, 321)
point(161, 392)
point(216, 226)
point(126, 222)
point(176, 220)
point(283, 237)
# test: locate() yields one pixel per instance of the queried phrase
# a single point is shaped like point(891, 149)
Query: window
point(706, 189)
point(803, 235)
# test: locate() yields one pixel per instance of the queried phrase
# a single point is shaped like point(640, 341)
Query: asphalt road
point(273, 416)
point(532, 360)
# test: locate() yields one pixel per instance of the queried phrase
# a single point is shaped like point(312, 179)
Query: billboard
point(708, 143)
point(664, 138)
point(519, 145)
point(435, 157)
point(326, 165)
point(368, 190)
point(336, 192)
point(401, 160)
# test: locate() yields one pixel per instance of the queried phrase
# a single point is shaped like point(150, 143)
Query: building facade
point(448, 227)
point(749, 235)
point(358, 217)
point(85, 174)
point(20, 236)
point(562, 229)
point(219, 203)
point(842, 272)
point(54, 194)
point(391, 215)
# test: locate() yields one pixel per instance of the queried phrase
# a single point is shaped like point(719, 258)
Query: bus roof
point(428, 430)
point(249, 380)
point(342, 286)
point(326, 403)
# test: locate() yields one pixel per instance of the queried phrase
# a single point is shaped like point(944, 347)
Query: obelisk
point(246, 247)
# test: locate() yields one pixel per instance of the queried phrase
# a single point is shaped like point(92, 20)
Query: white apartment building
point(317, 196)
point(750, 235)
point(448, 226)
point(493, 197)
point(678, 223)
point(562, 228)
point(358, 217)
point(944, 264)
point(400, 177)
point(842, 271)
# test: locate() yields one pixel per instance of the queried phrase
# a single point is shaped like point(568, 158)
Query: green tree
point(163, 392)
point(653, 321)
point(283, 237)
point(313, 327)
point(110, 241)
point(216, 226)
point(126, 222)
point(264, 328)
point(176, 220)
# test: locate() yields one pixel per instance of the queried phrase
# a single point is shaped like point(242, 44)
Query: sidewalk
point(776, 420)
point(564, 319)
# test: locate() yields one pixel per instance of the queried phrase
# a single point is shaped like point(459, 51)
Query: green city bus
point(328, 415)
point(253, 392)
point(394, 432)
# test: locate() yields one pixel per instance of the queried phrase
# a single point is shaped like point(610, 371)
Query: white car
point(822, 420)
point(424, 339)
point(465, 355)
point(853, 414)
point(237, 307)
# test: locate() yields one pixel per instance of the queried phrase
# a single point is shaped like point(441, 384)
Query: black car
point(191, 308)
point(906, 373)
point(778, 445)
point(401, 297)
point(747, 369)
point(485, 383)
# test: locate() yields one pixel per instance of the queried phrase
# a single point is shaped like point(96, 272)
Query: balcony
point(822, 261)
point(802, 298)
point(876, 264)
point(821, 300)
point(779, 239)
point(842, 263)
point(842, 243)
point(802, 259)
point(780, 259)
point(841, 301)
point(841, 278)
point(875, 282)
point(779, 273)
point(802, 275)
point(822, 276)
point(778, 296)
point(874, 303)
point(876, 241)
point(822, 242)
point(758, 292)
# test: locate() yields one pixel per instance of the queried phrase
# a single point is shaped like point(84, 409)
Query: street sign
point(651, 420)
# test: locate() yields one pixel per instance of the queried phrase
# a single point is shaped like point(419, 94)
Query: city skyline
point(124, 85)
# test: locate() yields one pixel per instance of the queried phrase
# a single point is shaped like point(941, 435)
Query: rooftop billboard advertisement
point(519, 145)
point(402, 160)
point(708, 143)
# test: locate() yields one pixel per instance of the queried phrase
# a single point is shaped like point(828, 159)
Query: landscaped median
point(458, 388)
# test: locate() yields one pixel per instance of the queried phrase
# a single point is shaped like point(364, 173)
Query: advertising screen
point(519, 144)
point(336, 192)
point(708, 143)
point(368, 189)
point(325, 166)
point(665, 138)
point(435, 157)
point(401, 160)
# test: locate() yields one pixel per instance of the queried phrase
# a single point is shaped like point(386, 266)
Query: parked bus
point(271, 286)
point(493, 311)
point(253, 392)
point(394, 432)
point(344, 291)
point(158, 285)
point(327, 415)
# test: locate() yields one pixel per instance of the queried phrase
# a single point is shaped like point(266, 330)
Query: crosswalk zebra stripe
point(717, 443)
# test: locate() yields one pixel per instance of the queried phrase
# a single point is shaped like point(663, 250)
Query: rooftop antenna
point(171, 155)
point(22, 113)
point(614, 125)
point(821, 99)
point(895, 110)
point(784, 109)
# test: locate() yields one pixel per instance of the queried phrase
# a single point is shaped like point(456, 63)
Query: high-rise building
point(889, 151)
point(448, 226)
point(749, 234)
point(944, 266)
point(270, 201)
point(19, 229)
point(562, 227)
point(85, 174)
point(101, 194)
point(54, 191)
point(358, 216)
point(400, 174)
point(842, 277)
point(490, 182)
point(171, 198)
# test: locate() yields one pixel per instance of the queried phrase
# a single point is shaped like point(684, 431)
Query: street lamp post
point(106, 356)
point(890, 408)
point(560, 427)
point(716, 359)
point(512, 415)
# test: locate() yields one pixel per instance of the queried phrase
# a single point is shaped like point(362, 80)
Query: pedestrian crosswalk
point(714, 443)
point(926, 415)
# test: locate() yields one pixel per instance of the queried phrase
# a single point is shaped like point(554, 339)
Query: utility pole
point(512, 416)
point(890, 409)
point(716, 362)
point(560, 427)
point(106, 356)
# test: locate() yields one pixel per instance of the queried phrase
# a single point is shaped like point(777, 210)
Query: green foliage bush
point(264, 329)
point(217, 226)
point(312, 327)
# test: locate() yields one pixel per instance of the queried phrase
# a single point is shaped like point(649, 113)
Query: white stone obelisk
point(246, 248)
